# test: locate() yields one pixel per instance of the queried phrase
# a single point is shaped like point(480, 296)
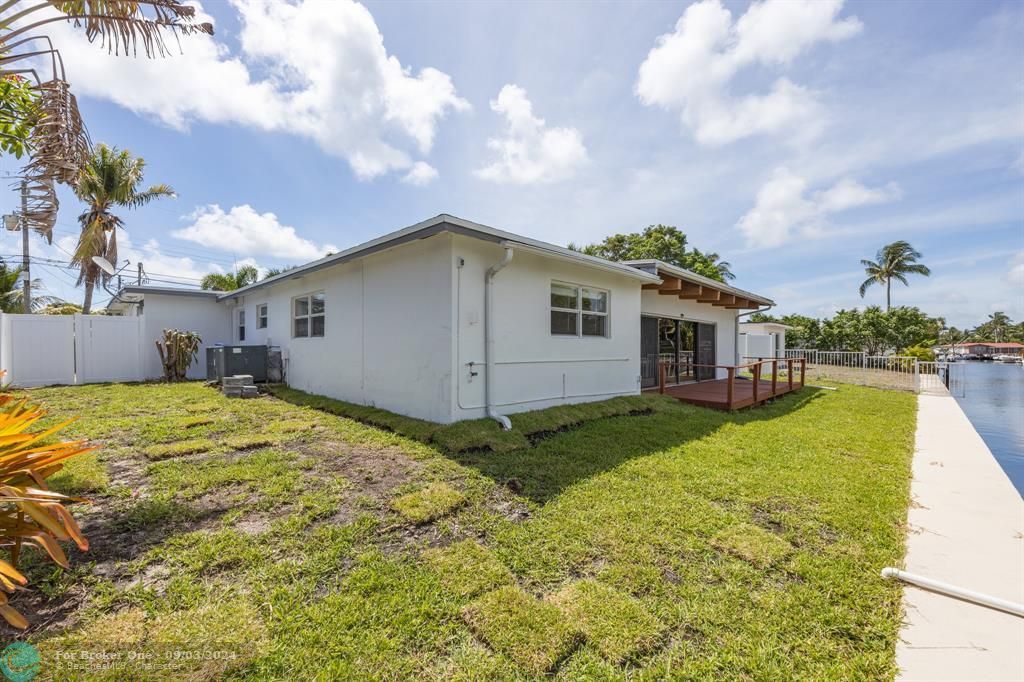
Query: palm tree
point(246, 275)
point(12, 293)
point(110, 178)
point(722, 267)
point(894, 261)
point(997, 325)
point(40, 113)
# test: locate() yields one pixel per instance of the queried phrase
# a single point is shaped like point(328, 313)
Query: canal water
point(992, 397)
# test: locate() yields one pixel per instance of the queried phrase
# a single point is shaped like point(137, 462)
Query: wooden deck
point(734, 392)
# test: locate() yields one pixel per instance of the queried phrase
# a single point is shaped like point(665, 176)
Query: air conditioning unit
point(227, 361)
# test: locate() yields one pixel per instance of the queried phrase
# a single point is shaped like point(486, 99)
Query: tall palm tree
point(109, 179)
point(997, 325)
point(12, 293)
point(230, 281)
point(40, 113)
point(893, 261)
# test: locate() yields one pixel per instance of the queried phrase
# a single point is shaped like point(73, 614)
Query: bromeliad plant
point(30, 513)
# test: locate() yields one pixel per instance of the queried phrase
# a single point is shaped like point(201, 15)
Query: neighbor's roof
point(653, 265)
point(172, 291)
point(133, 293)
point(448, 223)
point(990, 344)
point(773, 325)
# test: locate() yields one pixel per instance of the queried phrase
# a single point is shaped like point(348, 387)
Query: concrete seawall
point(965, 527)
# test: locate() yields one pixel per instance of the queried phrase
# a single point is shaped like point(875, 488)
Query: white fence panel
point(108, 348)
point(38, 350)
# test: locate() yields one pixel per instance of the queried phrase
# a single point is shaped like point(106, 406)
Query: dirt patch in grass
point(179, 448)
point(376, 472)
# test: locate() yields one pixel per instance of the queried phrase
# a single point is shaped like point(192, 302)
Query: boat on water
point(1008, 359)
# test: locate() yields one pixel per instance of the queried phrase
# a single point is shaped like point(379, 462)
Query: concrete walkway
point(966, 527)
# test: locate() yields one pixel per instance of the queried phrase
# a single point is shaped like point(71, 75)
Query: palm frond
point(120, 25)
point(155, 192)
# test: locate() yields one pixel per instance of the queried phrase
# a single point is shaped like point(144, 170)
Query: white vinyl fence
point(883, 371)
point(40, 350)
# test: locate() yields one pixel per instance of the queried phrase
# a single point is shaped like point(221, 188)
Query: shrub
point(30, 513)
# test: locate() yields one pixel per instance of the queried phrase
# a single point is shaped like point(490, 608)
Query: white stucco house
point(448, 320)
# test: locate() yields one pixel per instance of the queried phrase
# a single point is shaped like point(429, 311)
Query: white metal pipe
point(953, 591)
point(505, 422)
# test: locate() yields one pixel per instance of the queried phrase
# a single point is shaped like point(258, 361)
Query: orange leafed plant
point(30, 513)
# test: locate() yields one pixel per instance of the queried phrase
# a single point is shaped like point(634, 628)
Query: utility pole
point(26, 291)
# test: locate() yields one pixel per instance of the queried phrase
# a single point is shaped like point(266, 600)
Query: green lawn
point(666, 542)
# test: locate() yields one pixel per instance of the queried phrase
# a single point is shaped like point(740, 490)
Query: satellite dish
point(104, 265)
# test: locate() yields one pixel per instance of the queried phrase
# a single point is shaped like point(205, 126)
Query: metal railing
point(902, 372)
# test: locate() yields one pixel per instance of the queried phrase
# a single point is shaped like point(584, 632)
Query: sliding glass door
point(667, 340)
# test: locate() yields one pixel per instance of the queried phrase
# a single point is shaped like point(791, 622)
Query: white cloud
point(243, 231)
point(784, 206)
point(1016, 273)
point(530, 152)
point(420, 174)
point(316, 69)
point(690, 69)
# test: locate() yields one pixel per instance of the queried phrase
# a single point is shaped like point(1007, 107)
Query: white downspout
point(505, 422)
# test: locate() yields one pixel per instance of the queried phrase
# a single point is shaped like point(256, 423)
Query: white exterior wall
point(756, 346)
point(662, 305)
point(533, 368)
point(776, 331)
point(387, 333)
point(205, 316)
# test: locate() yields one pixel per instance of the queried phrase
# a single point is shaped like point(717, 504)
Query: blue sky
point(793, 138)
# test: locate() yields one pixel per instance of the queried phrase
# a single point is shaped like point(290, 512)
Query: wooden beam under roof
point(725, 300)
point(691, 291)
point(670, 285)
point(710, 296)
point(742, 304)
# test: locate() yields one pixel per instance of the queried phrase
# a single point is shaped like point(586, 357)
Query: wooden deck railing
point(757, 372)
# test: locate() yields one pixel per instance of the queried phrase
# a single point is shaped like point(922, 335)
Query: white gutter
point(505, 422)
point(953, 591)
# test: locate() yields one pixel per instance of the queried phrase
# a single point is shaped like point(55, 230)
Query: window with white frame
point(241, 325)
point(308, 315)
point(261, 316)
point(578, 310)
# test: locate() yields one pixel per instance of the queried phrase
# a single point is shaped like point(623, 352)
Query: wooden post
point(789, 372)
point(728, 387)
point(803, 371)
point(775, 375)
point(757, 378)
point(661, 377)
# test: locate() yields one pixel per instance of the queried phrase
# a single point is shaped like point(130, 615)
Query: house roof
point(663, 268)
point(990, 344)
point(764, 325)
point(650, 272)
point(447, 223)
point(134, 293)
